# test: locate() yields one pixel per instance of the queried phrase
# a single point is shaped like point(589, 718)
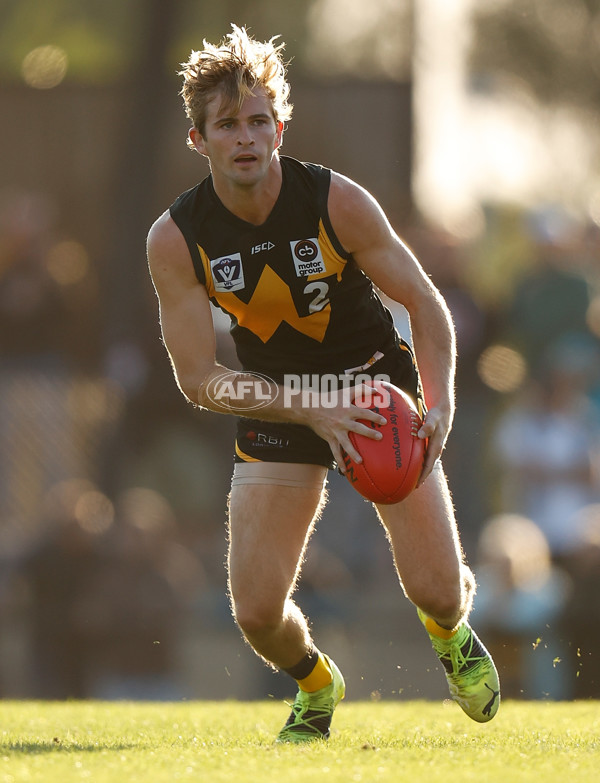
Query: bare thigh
point(427, 551)
point(269, 528)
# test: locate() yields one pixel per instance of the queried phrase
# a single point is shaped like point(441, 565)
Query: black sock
point(302, 669)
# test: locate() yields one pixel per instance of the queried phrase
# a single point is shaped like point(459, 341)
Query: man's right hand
point(336, 415)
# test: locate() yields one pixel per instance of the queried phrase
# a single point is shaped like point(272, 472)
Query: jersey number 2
point(320, 300)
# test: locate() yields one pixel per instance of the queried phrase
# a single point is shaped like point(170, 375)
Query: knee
point(255, 618)
point(447, 603)
point(444, 608)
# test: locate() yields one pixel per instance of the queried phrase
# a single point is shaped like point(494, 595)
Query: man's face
point(240, 146)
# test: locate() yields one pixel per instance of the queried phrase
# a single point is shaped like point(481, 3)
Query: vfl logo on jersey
point(227, 272)
point(307, 257)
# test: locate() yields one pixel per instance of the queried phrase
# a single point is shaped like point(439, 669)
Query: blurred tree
point(552, 45)
point(100, 37)
point(96, 35)
point(147, 88)
point(371, 40)
point(127, 319)
point(263, 18)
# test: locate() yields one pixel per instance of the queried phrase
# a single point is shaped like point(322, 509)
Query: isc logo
point(263, 246)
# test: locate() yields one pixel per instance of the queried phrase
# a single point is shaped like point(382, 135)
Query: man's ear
point(196, 141)
point(279, 137)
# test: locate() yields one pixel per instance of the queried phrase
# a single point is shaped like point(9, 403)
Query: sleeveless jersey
point(298, 302)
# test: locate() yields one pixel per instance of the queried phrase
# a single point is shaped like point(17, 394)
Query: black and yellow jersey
point(298, 302)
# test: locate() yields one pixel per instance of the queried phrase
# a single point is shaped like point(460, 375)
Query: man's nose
point(245, 135)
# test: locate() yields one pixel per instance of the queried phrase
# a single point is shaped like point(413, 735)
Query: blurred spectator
point(520, 599)
point(553, 298)
point(106, 588)
point(57, 573)
point(48, 296)
point(582, 614)
point(30, 302)
point(132, 608)
point(547, 443)
point(51, 412)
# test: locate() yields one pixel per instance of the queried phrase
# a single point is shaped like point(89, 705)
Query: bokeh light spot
point(145, 509)
point(94, 512)
point(502, 368)
point(593, 316)
point(45, 67)
point(68, 262)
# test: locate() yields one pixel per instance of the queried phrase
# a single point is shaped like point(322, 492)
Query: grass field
point(114, 742)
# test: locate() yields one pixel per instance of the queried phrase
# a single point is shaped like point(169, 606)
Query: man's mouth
point(245, 158)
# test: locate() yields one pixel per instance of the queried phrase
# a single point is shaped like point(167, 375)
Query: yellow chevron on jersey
point(334, 263)
point(270, 305)
point(296, 298)
point(209, 283)
point(272, 301)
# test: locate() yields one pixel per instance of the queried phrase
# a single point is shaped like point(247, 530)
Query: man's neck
point(252, 203)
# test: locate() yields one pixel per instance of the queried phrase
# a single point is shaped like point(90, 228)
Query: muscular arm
point(184, 308)
point(365, 232)
point(188, 334)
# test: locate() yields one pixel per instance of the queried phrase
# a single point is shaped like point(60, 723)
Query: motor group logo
point(307, 257)
point(244, 392)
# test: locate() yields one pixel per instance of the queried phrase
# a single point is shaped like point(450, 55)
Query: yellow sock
point(439, 630)
point(318, 678)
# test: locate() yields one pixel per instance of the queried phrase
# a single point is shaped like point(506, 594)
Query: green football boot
point(311, 714)
point(470, 671)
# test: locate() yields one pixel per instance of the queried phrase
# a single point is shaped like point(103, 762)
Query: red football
point(391, 466)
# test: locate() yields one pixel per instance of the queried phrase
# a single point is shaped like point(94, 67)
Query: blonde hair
point(236, 68)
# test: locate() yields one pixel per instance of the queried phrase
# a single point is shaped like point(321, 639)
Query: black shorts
point(267, 441)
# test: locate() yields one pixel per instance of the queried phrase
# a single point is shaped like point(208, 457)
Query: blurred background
point(476, 126)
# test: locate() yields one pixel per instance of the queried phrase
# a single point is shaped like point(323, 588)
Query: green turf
point(233, 741)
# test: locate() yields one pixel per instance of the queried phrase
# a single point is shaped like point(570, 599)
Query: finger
point(338, 457)
point(425, 432)
point(432, 454)
point(341, 450)
point(368, 415)
point(362, 395)
point(366, 397)
point(366, 431)
point(347, 447)
point(427, 468)
point(428, 427)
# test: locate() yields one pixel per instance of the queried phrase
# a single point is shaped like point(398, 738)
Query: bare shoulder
point(164, 236)
point(364, 231)
point(168, 254)
point(348, 198)
point(356, 216)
